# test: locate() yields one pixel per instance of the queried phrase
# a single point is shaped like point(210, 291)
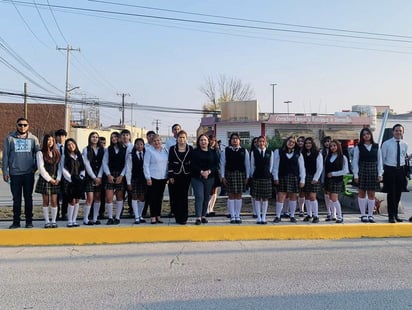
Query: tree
point(225, 89)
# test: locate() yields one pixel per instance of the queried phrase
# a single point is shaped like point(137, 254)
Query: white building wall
point(406, 123)
point(223, 129)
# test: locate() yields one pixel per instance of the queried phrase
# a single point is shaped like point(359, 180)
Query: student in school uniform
point(367, 170)
point(336, 166)
point(114, 166)
point(74, 172)
point(93, 160)
point(260, 172)
point(235, 170)
point(313, 165)
point(136, 182)
point(48, 183)
point(288, 175)
point(60, 137)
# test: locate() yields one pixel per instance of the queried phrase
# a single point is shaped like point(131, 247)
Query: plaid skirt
point(73, 191)
point(309, 187)
point(139, 187)
point(235, 181)
point(261, 188)
point(368, 176)
point(333, 186)
point(44, 187)
point(288, 184)
point(90, 187)
point(113, 186)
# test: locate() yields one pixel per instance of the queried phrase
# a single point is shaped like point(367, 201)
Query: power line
point(251, 20)
point(44, 23)
point(204, 22)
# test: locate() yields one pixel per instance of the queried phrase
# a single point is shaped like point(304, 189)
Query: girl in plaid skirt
point(367, 173)
point(235, 170)
point(260, 171)
point(48, 184)
point(336, 166)
point(289, 176)
point(314, 166)
point(93, 161)
point(114, 166)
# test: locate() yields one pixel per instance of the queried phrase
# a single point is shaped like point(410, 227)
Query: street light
point(273, 96)
point(288, 102)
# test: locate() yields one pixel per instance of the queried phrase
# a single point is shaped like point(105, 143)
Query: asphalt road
point(310, 274)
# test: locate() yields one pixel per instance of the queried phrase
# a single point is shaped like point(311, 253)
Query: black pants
point(156, 196)
point(393, 181)
point(178, 193)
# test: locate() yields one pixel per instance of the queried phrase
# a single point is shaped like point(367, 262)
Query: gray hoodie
point(19, 154)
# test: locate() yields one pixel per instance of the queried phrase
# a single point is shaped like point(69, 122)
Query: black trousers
point(156, 196)
point(178, 193)
point(393, 182)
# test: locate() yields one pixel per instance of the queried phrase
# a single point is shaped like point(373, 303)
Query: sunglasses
point(22, 125)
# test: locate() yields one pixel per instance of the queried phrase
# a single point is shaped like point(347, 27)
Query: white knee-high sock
point(265, 204)
point(46, 214)
point(371, 206)
point(238, 207)
point(315, 208)
point(308, 205)
point(140, 207)
point(301, 204)
point(362, 202)
point(96, 209)
point(292, 207)
point(54, 214)
point(109, 208)
point(75, 212)
point(119, 208)
point(256, 209)
point(86, 212)
point(327, 204)
point(285, 208)
point(279, 207)
point(135, 211)
point(231, 207)
point(70, 210)
point(337, 207)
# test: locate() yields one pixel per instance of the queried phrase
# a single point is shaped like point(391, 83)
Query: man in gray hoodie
point(19, 165)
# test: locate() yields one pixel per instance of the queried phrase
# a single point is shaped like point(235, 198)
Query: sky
point(324, 55)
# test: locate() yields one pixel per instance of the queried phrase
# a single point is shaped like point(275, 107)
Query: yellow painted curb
point(116, 235)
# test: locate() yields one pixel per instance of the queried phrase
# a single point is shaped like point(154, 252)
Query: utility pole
point(157, 123)
point(122, 108)
point(273, 96)
point(25, 100)
point(68, 49)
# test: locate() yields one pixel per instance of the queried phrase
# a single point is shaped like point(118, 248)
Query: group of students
point(296, 170)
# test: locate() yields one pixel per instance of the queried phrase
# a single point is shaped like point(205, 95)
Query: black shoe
point(276, 220)
point(116, 222)
point(254, 216)
point(238, 221)
point(159, 221)
point(398, 219)
point(263, 222)
point(293, 220)
point(371, 220)
point(14, 226)
point(29, 225)
point(259, 222)
point(301, 214)
point(89, 223)
point(233, 221)
point(198, 222)
point(211, 214)
point(137, 222)
point(142, 220)
point(391, 220)
point(339, 221)
point(54, 225)
point(315, 219)
point(70, 225)
point(410, 219)
point(97, 222)
point(307, 218)
point(75, 224)
point(204, 221)
point(364, 219)
point(110, 222)
point(285, 216)
point(328, 218)
point(47, 225)
point(181, 222)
